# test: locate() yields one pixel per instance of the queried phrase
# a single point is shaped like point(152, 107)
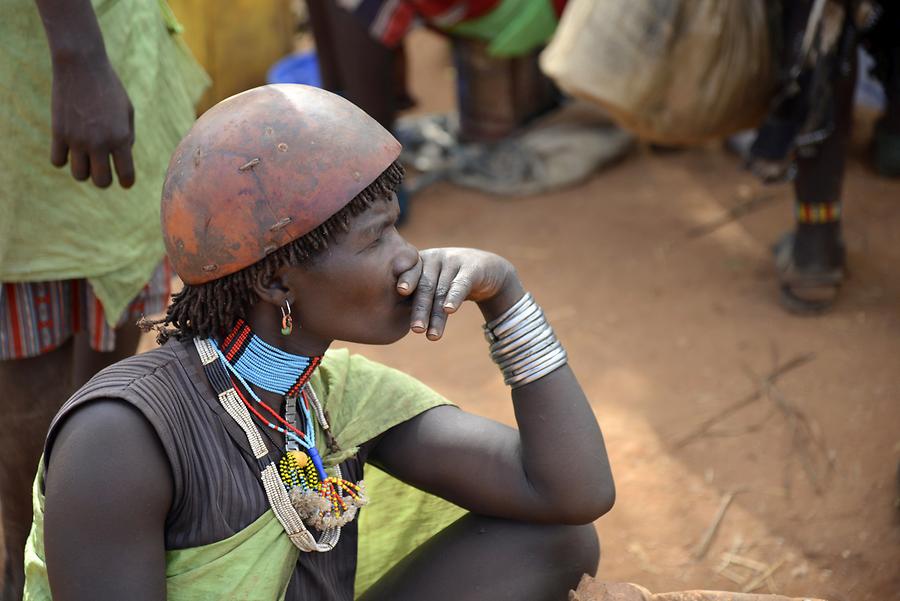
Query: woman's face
point(349, 291)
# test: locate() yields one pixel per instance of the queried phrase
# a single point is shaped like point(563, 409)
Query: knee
point(572, 551)
point(576, 547)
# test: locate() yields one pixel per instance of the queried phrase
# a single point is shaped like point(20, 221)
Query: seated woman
point(228, 463)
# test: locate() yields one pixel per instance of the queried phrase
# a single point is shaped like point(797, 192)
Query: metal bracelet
point(545, 358)
point(523, 344)
point(516, 361)
point(527, 314)
point(502, 350)
point(526, 298)
point(538, 373)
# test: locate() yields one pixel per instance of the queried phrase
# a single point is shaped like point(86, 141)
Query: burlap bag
point(673, 72)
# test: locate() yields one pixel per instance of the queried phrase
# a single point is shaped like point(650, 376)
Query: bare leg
point(365, 67)
point(481, 558)
point(811, 261)
point(35, 389)
point(87, 361)
point(884, 43)
point(326, 49)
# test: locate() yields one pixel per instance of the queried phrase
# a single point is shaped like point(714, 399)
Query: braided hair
point(209, 310)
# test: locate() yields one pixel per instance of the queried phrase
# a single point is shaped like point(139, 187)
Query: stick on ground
point(757, 394)
point(706, 541)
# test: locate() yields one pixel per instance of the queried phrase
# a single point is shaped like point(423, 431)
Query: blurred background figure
point(359, 45)
point(689, 72)
point(500, 90)
point(806, 136)
point(110, 94)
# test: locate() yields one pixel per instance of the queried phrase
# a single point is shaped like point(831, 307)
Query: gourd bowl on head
point(261, 169)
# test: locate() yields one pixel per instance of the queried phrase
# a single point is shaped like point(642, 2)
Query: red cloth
point(390, 20)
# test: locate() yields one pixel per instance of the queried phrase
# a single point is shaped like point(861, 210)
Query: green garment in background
point(514, 28)
point(363, 399)
point(53, 227)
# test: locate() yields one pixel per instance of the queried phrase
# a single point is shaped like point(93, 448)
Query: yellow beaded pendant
point(296, 469)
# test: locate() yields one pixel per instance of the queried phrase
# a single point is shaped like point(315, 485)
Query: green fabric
point(398, 519)
point(513, 28)
point(52, 227)
point(363, 399)
point(255, 564)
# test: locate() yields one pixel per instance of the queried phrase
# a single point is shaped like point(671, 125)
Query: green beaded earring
point(287, 323)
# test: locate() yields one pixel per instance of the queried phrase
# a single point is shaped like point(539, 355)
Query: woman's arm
point(554, 468)
point(108, 490)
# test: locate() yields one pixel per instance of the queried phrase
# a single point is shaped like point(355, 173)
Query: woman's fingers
point(424, 295)
point(459, 290)
point(438, 317)
point(409, 280)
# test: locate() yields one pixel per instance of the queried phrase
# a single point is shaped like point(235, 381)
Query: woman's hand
point(445, 277)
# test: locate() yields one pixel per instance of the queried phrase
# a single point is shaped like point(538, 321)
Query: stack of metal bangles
point(523, 344)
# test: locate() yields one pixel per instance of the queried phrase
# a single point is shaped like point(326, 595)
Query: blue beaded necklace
point(264, 365)
point(249, 358)
point(300, 492)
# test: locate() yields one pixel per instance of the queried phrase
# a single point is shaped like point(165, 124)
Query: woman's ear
point(273, 289)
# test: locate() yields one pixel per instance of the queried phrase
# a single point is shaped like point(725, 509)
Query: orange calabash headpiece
point(261, 169)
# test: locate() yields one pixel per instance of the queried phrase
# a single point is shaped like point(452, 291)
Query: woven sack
point(671, 71)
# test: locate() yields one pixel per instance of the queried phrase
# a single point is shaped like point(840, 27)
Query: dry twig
point(733, 214)
point(751, 398)
point(761, 579)
point(706, 541)
point(746, 562)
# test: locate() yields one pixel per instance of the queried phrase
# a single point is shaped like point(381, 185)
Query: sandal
point(805, 290)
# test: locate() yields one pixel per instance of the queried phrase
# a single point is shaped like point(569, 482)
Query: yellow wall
point(236, 41)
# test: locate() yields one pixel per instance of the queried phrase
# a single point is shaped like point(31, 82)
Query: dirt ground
point(665, 330)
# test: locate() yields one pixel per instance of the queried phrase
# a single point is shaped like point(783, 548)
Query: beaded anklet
point(826, 212)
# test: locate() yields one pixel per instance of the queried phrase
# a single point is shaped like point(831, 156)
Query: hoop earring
point(287, 323)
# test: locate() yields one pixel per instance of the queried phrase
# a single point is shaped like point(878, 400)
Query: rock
point(596, 590)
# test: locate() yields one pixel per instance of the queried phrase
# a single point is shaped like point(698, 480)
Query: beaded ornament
point(300, 490)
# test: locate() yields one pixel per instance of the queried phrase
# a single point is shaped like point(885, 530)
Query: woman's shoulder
point(365, 398)
point(155, 364)
point(159, 383)
point(345, 373)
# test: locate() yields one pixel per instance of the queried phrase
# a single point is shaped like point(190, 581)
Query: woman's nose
point(406, 258)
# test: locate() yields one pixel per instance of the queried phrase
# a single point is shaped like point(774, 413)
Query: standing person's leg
point(326, 48)
point(811, 260)
point(884, 43)
point(33, 388)
point(352, 63)
point(368, 73)
point(55, 338)
point(365, 66)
